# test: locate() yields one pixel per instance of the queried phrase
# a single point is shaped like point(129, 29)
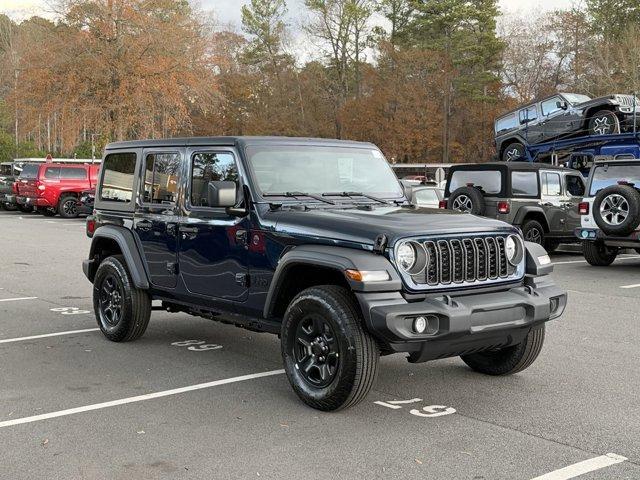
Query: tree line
point(423, 79)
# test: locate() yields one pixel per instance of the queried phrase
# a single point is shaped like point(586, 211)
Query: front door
point(156, 221)
point(574, 189)
point(213, 244)
point(551, 200)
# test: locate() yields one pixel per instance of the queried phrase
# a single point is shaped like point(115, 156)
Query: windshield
point(29, 170)
point(574, 98)
point(607, 175)
point(318, 170)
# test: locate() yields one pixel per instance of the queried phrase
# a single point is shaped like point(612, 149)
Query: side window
point(550, 106)
point(528, 114)
point(207, 167)
point(119, 174)
point(52, 173)
point(552, 184)
point(524, 184)
point(575, 186)
point(162, 177)
point(73, 173)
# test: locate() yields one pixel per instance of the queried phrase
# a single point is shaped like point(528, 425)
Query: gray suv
point(542, 200)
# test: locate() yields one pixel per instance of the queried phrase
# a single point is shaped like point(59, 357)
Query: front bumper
point(464, 323)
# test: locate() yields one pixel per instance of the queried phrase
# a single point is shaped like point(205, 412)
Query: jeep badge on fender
point(313, 240)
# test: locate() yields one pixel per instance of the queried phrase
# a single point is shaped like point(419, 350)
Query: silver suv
point(540, 199)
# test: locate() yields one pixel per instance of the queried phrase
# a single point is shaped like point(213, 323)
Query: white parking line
point(581, 468)
point(16, 299)
point(46, 335)
point(631, 257)
point(139, 398)
point(636, 285)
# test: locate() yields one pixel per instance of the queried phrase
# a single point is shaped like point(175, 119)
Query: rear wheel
point(122, 310)
point(514, 152)
point(598, 254)
point(533, 231)
point(467, 200)
point(508, 360)
point(329, 358)
point(604, 122)
point(68, 206)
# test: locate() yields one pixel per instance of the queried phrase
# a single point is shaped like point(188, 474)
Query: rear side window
point(551, 184)
point(575, 186)
point(117, 181)
point(162, 177)
point(524, 184)
point(490, 181)
point(52, 173)
point(508, 122)
point(207, 167)
point(73, 173)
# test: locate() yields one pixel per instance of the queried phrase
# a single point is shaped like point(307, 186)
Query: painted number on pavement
point(197, 345)
point(429, 411)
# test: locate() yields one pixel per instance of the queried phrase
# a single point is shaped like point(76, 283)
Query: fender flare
point(338, 259)
point(125, 240)
point(524, 211)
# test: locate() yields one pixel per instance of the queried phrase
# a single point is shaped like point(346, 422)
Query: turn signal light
point(504, 207)
point(583, 208)
point(367, 276)
point(442, 204)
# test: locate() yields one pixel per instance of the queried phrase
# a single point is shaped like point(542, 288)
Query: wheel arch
point(532, 213)
point(598, 108)
point(113, 240)
point(311, 265)
point(508, 142)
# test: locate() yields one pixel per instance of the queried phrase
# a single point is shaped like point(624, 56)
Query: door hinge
point(242, 279)
point(172, 267)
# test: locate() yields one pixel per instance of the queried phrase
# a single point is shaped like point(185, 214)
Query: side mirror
point(221, 193)
point(562, 105)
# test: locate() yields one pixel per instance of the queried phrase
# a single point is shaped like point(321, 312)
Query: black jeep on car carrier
point(315, 241)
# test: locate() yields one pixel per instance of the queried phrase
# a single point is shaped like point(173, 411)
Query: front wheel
point(68, 207)
point(598, 254)
point(508, 360)
point(122, 310)
point(329, 358)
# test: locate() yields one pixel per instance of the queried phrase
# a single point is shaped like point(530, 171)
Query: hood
point(614, 98)
point(364, 226)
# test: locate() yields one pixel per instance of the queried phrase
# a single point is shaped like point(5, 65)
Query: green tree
point(263, 21)
point(610, 18)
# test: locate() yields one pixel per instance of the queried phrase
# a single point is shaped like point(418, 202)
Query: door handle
point(144, 225)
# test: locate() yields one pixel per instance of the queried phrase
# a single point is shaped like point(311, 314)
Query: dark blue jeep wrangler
point(315, 241)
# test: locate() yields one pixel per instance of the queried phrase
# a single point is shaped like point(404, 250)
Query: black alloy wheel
point(514, 152)
point(68, 207)
point(111, 303)
point(317, 353)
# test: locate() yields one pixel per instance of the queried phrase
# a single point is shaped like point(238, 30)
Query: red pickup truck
point(55, 187)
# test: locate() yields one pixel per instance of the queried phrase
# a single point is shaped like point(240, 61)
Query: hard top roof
point(507, 166)
point(239, 141)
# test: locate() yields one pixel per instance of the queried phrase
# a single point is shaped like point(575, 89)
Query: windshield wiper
point(356, 194)
point(299, 194)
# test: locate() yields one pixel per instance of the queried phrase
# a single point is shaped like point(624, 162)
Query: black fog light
point(554, 304)
point(426, 324)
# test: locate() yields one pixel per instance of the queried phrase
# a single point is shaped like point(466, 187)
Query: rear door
point(552, 201)
point(213, 244)
point(156, 220)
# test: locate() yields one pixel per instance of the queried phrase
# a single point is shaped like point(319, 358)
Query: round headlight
point(513, 249)
point(406, 256)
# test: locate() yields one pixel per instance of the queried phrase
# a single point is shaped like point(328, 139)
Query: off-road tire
point(63, 211)
point(514, 152)
point(136, 304)
point(632, 198)
point(478, 204)
point(598, 254)
point(533, 231)
point(596, 118)
point(358, 353)
point(25, 208)
point(508, 360)
point(551, 245)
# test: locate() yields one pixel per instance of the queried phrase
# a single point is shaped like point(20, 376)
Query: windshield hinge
point(380, 244)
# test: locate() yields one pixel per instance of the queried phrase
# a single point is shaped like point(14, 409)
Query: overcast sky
point(228, 11)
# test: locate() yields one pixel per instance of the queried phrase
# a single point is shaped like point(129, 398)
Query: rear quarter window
point(490, 181)
point(506, 123)
point(73, 173)
point(524, 184)
point(119, 174)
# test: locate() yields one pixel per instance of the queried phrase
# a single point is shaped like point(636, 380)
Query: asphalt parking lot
point(197, 399)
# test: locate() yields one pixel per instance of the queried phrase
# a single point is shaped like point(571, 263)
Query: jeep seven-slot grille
point(465, 260)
